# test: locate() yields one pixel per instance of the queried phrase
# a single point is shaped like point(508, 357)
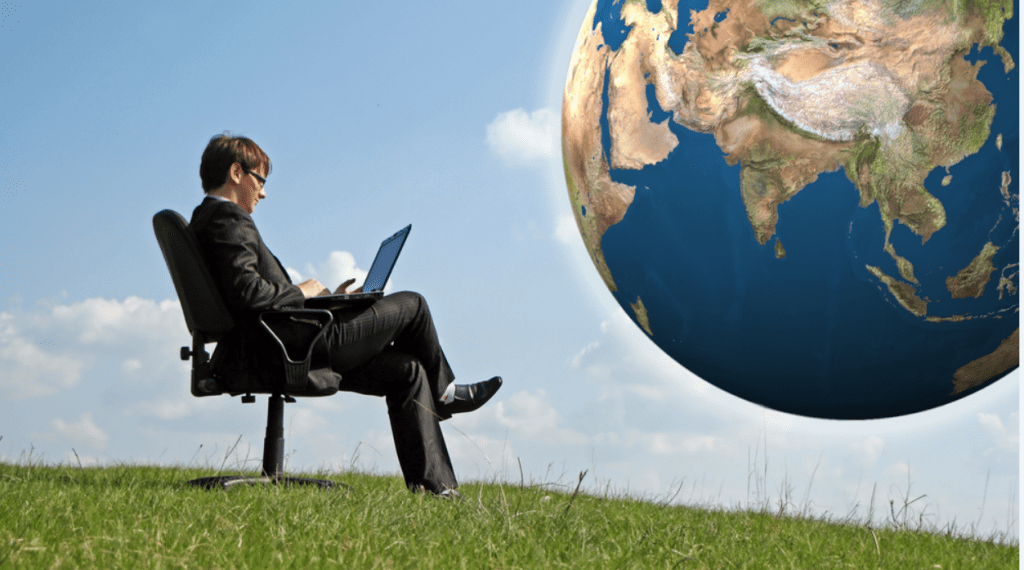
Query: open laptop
point(380, 271)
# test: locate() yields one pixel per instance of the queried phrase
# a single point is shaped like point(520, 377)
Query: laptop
point(380, 271)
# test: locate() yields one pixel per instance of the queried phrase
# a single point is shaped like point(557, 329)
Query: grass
point(136, 516)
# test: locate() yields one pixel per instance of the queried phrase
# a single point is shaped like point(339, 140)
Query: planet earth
point(811, 204)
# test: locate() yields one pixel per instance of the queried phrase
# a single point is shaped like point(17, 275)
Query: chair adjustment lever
point(248, 399)
point(185, 353)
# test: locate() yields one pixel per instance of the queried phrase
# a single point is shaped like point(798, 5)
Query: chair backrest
point(201, 301)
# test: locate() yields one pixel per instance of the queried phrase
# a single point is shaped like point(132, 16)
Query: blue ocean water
point(613, 28)
point(677, 41)
point(813, 333)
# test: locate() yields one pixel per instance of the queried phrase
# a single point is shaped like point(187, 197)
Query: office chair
point(207, 318)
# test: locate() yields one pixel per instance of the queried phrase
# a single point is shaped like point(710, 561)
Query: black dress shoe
point(470, 397)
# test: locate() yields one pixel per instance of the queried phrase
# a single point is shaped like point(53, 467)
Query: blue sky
point(377, 115)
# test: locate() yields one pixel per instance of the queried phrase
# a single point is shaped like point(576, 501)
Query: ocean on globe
point(811, 204)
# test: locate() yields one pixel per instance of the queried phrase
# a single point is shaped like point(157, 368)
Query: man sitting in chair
point(388, 348)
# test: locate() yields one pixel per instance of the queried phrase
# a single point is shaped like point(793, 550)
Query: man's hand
point(313, 288)
point(343, 288)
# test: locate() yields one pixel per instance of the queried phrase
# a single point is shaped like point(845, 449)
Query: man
point(389, 348)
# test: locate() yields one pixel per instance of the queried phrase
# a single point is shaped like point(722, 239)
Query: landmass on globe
point(791, 90)
point(977, 371)
point(641, 315)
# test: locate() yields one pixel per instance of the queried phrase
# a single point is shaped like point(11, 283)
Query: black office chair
point(208, 319)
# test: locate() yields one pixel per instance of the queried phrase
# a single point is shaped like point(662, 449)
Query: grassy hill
point(134, 516)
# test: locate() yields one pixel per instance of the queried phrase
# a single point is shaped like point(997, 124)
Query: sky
point(377, 115)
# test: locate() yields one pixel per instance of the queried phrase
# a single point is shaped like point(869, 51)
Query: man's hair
point(223, 151)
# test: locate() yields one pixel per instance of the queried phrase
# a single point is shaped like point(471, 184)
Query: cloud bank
point(103, 375)
point(522, 139)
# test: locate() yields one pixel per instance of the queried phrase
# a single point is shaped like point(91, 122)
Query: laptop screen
point(385, 260)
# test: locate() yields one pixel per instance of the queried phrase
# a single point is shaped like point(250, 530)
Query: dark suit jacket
point(251, 281)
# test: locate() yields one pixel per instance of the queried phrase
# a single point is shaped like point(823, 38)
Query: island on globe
point(811, 204)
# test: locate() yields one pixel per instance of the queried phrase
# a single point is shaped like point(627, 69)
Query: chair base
point(229, 481)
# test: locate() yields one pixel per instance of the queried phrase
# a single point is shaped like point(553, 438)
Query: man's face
point(251, 191)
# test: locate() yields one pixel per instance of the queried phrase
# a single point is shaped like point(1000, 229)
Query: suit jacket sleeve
point(251, 278)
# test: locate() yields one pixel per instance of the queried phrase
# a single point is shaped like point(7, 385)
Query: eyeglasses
point(258, 178)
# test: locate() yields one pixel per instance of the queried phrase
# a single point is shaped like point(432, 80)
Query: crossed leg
point(390, 349)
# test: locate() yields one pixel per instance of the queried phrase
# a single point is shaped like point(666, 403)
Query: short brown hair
point(224, 150)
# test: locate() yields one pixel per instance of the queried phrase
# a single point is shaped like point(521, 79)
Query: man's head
point(223, 151)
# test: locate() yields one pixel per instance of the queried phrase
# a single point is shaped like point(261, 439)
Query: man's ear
point(235, 173)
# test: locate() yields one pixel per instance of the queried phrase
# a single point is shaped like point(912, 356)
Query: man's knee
point(411, 368)
point(405, 370)
point(412, 299)
point(409, 382)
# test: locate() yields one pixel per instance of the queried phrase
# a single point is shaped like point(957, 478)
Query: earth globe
point(811, 204)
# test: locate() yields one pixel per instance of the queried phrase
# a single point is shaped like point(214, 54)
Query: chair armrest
point(297, 369)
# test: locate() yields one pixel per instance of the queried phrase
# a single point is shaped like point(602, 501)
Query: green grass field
point(130, 516)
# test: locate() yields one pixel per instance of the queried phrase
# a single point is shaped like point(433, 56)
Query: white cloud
point(821, 468)
point(113, 323)
point(673, 443)
point(869, 450)
point(566, 231)
point(165, 408)
point(26, 370)
point(328, 404)
point(131, 365)
point(526, 415)
point(338, 267)
point(305, 422)
point(900, 470)
point(84, 432)
point(1005, 436)
point(624, 362)
point(529, 230)
point(49, 351)
point(578, 358)
point(778, 422)
point(75, 458)
point(376, 452)
point(524, 139)
point(489, 457)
